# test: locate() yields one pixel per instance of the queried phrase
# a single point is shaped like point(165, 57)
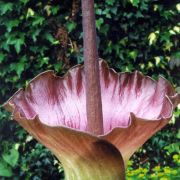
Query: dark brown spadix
point(93, 91)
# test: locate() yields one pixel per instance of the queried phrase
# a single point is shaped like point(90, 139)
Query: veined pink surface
point(61, 101)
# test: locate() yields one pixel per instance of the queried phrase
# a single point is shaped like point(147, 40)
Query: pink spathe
point(61, 101)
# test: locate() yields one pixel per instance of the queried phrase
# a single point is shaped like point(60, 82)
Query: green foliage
point(41, 35)
point(167, 170)
point(5, 170)
point(11, 157)
point(156, 173)
point(8, 161)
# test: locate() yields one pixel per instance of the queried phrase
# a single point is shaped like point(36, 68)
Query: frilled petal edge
point(60, 101)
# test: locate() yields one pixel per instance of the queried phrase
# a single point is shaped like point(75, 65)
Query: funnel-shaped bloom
point(53, 110)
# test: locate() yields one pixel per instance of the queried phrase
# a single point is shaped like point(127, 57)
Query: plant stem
point(100, 161)
point(93, 90)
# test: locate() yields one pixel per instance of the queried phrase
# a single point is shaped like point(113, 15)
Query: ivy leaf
point(47, 8)
point(44, 60)
point(135, 2)
point(24, 1)
point(38, 20)
point(5, 7)
point(167, 46)
point(18, 44)
point(139, 14)
point(5, 170)
point(55, 9)
point(2, 57)
point(178, 7)
point(12, 157)
point(58, 67)
point(5, 46)
point(49, 37)
point(178, 134)
point(110, 2)
point(152, 38)
point(114, 10)
point(70, 26)
point(175, 60)
point(133, 54)
point(104, 29)
point(176, 29)
point(35, 34)
point(174, 147)
point(20, 68)
point(17, 40)
point(157, 60)
point(30, 13)
point(98, 11)
point(99, 22)
point(165, 37)
point(12, 23)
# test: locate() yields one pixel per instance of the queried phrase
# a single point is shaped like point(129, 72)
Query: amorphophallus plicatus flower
point(93, 138)
point(53, 110)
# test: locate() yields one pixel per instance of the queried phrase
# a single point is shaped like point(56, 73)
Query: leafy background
point(41, 35)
